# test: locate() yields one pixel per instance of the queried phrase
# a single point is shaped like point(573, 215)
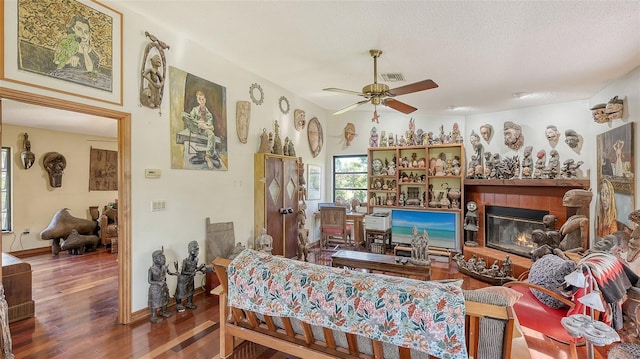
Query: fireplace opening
point(509, 229)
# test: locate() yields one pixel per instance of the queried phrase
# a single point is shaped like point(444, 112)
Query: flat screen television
point(442, 227)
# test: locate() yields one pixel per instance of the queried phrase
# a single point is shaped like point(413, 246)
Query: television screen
point(442, 227)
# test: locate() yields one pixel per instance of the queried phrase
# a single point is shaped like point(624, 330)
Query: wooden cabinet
point(276, 201)
point(417, 177)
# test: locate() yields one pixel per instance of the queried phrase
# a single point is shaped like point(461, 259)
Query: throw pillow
point(511, 295)
point(549, 272)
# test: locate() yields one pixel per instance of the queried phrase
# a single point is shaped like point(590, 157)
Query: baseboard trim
point(31, 252)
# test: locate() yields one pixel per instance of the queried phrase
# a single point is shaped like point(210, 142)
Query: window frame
point(335, 174)
point(6, 169)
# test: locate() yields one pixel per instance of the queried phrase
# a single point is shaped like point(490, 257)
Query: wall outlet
point(26, 231)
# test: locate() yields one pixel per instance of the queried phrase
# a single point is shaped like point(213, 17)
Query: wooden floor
point(75, 317)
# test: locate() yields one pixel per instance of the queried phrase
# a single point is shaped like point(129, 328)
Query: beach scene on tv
point(442, 227)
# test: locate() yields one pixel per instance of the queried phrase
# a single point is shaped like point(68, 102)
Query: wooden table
point(378, 262)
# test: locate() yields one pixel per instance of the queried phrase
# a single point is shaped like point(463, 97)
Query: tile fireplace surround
point(539, 194)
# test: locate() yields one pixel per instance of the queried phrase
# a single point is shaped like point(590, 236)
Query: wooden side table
point(382, 236)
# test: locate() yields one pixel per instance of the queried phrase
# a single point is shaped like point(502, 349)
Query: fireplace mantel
point(538, 194)
point(571, 183)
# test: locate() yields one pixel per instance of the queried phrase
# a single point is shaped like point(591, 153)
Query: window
point(350, 177)
point(5, 188)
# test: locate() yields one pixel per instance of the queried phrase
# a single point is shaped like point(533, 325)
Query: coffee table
point(378, 262)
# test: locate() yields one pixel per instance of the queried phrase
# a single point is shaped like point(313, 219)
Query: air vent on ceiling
point(392, 77)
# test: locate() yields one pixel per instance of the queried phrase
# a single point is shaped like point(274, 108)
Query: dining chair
point(333, 226)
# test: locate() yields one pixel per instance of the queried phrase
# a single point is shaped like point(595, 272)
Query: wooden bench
point(300, 339)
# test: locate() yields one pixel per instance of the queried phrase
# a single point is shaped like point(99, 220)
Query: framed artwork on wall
point(79, 54)
point(314, 175)
point(198, 122)
point(616, 177)
point(103, 170)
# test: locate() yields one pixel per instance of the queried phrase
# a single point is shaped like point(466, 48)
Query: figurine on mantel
point(540, 163)
point(527, 162)
point(570, 168)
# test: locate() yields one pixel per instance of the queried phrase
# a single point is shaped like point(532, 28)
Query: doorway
point(124, 181)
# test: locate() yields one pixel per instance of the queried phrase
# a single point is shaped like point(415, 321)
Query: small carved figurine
point(277, 142)
point(527, 162)
point(540, 164)
point(471, 224)
point(264, 142)
point(158, 289)
point(373, 137)
point(264, 242)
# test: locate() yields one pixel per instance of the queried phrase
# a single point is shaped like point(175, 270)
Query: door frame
point(125, 315)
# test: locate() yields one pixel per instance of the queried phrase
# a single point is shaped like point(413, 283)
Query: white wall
point(191, 196)
point(34, 200)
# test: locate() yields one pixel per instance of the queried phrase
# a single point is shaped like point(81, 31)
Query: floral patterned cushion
point(425, 316)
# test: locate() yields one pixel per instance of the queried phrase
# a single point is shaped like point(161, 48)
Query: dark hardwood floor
point(75, 317)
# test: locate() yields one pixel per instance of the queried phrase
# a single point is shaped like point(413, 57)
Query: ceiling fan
point(380, 94)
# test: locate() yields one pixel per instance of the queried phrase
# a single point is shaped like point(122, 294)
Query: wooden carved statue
point(153, 77)
point(575, 231)
point(61, 226)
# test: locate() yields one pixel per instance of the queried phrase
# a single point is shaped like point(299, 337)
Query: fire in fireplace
point(509, 229)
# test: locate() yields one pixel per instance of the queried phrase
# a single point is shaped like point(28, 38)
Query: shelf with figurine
point(427, 171)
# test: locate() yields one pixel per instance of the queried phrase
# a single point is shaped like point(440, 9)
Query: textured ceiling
point(479, 52)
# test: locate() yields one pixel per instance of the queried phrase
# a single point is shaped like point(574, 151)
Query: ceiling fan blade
point(349, 92)
point(351, 107)
point(414, 87)
point(399, 106)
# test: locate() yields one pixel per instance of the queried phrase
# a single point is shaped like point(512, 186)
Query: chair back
point(333, 220)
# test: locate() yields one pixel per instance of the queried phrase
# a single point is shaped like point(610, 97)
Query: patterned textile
point(425, 316)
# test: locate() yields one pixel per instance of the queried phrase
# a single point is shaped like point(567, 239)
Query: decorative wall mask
point(571, 138)
point(27, 157)
point(614, 109)
point(299, 119)
point(552, 134)
point(54, 163)
point(243, 118)
point(486, 131)
point(349, 132)
point(153, 76)
point(597, 111)
point(315, 136)
point(513, 137)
